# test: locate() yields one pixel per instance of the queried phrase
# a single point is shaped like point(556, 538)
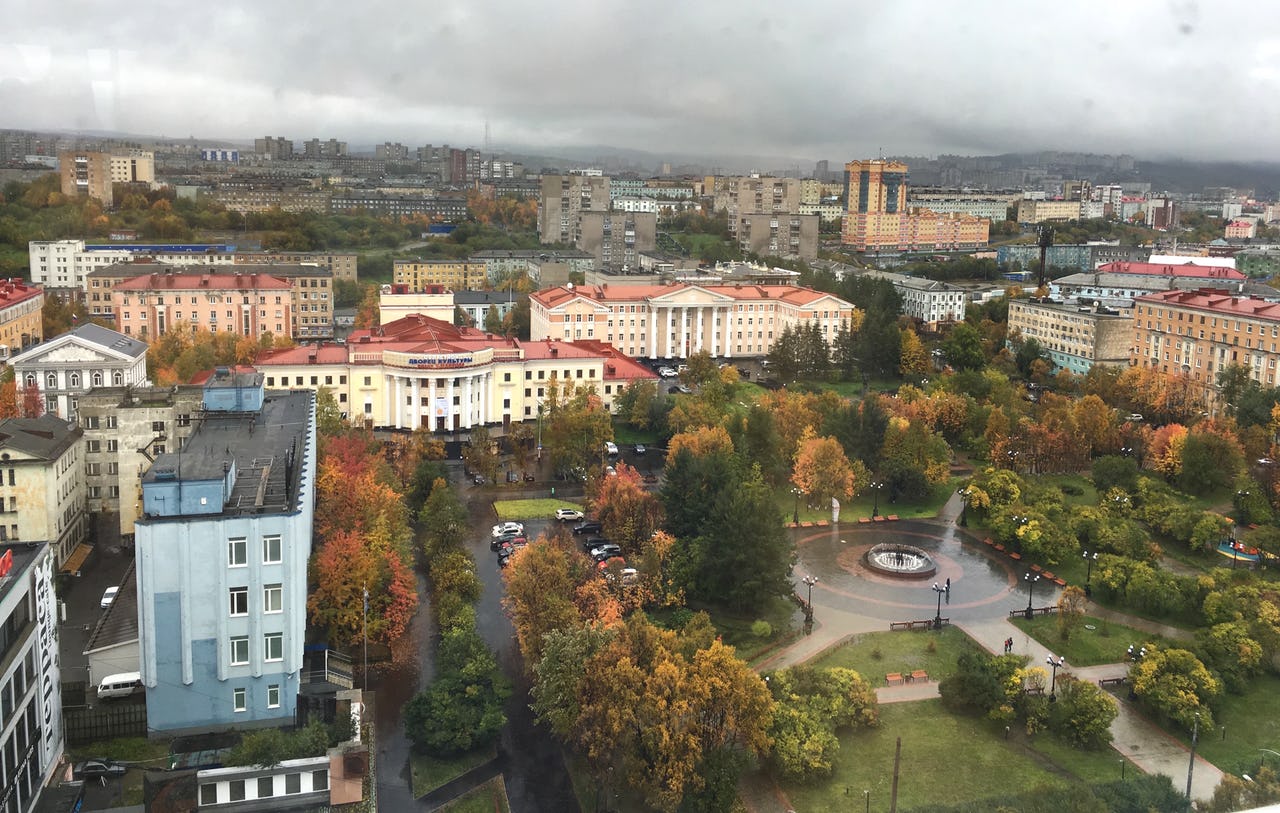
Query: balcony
point(325, 671)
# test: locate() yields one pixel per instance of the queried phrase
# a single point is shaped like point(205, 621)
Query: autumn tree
point(701, 442)
point(32, 403)
point(542, 589)
point(914, 360)
point(481, 455)
point(1071, 607)
point(1176, 684)
point(637, 404)
point(443, 519)
point(575, 425)
point(8, 398)
point(628, 512)
point(822, 472)
point(368, 309)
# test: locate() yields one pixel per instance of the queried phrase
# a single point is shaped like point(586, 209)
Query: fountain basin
point(900, 561)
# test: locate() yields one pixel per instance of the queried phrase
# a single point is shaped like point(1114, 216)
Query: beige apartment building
point(1042, 211)
point(677, 319)
point(1076, 337)
point(616, 239)
point(563, 198)
point(21, 316)
point(342, 266)
point(1199, 333)
point(42, 490)
point(86, 173)
point(250, 305)
point(456, 275)
point(779, 234)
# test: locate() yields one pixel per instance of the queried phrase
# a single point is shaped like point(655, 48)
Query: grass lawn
point(735, 630)
point(1251, 722)
point(1108, 643)
point(531, 509)
point(1068, 483)
point(864, 504)
point(430, 773)
point(874, 654)
point(625, 434)
point(491, 797)
point(853, 389)
point(971, 753)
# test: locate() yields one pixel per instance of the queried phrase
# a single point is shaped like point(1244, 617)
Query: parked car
point(611, 448)
point(602, 564)
point(589, 527)
point(499, 541)
point(511, 546)
point(507, 528)
point(640, 449)
point(667, 372)
point(679, 388)
point(568, 514)
point(593, 542)
point(108, 597)
point(605, 552)
point(97, 768)
point(1134, 418)
point(610, 471)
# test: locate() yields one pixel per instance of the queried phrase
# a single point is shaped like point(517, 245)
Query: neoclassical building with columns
point(424, 372)
point(676, 320)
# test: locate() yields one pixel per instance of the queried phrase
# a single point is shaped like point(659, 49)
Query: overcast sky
point(807, 79)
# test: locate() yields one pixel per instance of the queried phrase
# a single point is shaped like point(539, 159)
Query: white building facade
point(68, 366)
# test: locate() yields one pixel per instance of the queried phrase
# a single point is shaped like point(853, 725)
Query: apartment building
point(67, 367)
point(277, 148)
point(779, 234)
point(456, 275)
point(1072, 256)
point(21, 320)
point(255, 200)
point(420, 372)
point(125, 429)
point(877, 218)
point(316, 149)
point(31, 738)
point(42, 460)
point(932, 302)
point(447, 208)
point(994, 207)
point(615, 239)
point(86, 173)
point(1076, 337)
point(222, 550)
point(674, 320)
point(250, 305)
point(64, 265)
point(1199, 333)
point(342, 266)
point(564, 197)
point(503, 264)
point(1045, 211)
point(133, 166)
point(740, 197)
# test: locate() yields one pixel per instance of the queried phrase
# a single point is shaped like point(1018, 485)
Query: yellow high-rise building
point(877, 217)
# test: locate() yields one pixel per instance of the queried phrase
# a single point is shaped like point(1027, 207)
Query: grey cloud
point(823, 78)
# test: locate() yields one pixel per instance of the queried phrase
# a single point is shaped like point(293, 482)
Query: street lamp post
point(366, 639)
point(964, 505)
point(810, 581)
point(1053, 682)
point(539, 431)
point(875, 491)
point(937, 617)
point(1031, 579)
point(1089, 559)
point(795, 513)
point(1191, 763)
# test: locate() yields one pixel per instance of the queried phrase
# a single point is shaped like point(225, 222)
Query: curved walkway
point(847, 603)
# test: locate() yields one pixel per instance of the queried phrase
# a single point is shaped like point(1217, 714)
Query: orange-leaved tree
point(822, 471)
point(701, 442)
point(628, 513)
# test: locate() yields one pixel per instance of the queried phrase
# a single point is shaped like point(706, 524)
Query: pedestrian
point(948, 587)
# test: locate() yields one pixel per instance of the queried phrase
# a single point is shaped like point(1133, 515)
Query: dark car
point(594, 542)
point(588, 528)
point(507, 548)
point(98, 768)
point(505, 539)
point(640, 449)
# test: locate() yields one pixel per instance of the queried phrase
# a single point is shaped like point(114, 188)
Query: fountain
point(902, 561)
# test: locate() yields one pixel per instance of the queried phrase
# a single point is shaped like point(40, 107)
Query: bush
point(762, 629)
point(462, 709)
point(271, 746)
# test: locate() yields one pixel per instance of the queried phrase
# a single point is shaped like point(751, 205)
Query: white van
point(124, 684)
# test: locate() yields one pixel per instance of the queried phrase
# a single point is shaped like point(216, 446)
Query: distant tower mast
point(488, 146)
point(1046, 240)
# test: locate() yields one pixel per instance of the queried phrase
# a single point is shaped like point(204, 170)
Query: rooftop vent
point(166, 473)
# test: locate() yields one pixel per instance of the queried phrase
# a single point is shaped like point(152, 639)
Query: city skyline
point(822, 80)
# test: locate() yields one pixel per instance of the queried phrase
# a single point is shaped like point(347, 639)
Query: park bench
point(893, 517)
point(919, 675)
point(894, 679)
point(864, 520)
point(1015, 555)
point(1036, 568)
point(900, 625)
point(1115, 681)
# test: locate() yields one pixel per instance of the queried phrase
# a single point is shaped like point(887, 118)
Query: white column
point(431, 404)
point(486, 395)
point(684, 333)
point(389, 396)
point(726, 349)
point(652, 318)
point(415, 414)
point(399, 403)
point(448, 395)
point(698, 345)
point(466, 400)
point(666, 336)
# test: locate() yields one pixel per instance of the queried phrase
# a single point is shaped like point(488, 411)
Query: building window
point(273, 696)
point(266, 787)
point(273, 598)
point(209, 794)
point(236, 786)
point(111, 421)
point(271, 550)
point(240, 650)
point(237, 553)
point(273, 646)
point(239, 600)
point(320, 779)
point(293, 783)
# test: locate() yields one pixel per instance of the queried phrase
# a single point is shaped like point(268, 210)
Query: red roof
point(324, 354)
point(1215, 301)
point(203, 282)
point(13, 291)
point(1167, 270)
point(617, 366)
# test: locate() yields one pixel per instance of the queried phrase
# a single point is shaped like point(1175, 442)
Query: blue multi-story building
point(222, 551)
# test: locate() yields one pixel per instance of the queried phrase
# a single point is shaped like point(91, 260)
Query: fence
point(105, 722)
